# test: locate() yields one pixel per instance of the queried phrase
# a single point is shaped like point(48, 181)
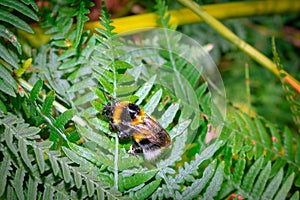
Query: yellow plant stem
point(234, 39)
point(182, 16)
point(197, 14)
point(219, 11)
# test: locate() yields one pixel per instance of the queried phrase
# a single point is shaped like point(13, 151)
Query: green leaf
point(247, 140)
point(132, 180)
point(249, 178)
point(18, 182)
point(4, 87)
point(11, 37)
point(32, 3)
point(106, 85)
point(147, 190)
point(254, 136)
point(48, 192)
point(273, 186)
point(145, 89)
point(47, 105)
point(200, 91)
point(266, 139)
point(263, 133)
point(7, 77)
point(297, 156)
point(261, 181)
point(4, 170)
point(169, 115)
point(85, 98)
point(99, 158)
point(198, 185)
point(65, 170)
point(98, 106)
point(77, 179)
point(126, 90)
point(29, 131)
point(81, 18)
point(100, 94)
point(119, 64)
point(67, 54)
point(288, 144)
point(215, 184)
point(3, 108)
point(15, 21)
point(179, 84)
point(35, 90)
point(192, 168)
point(84, 164)
point(280, 162)
point(90, 187)
point(238, 170)
point(7, 57)
point(39, 158)
point(99, 138)
point(179, 128)
point(238, 143)
point(178, 148)
point(8, 135)
point(127, 161)
point(62, 119)
point(23, 150)
point(153, 102)
point(295, 196)
point(32, 188)
point(81, 85)
point(285, 188)
point(20, 7)
point(53, 157)
point(276, 138)
point(68, 64)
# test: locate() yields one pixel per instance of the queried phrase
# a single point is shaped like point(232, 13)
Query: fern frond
point(273, 186)
point(186, 174)
point(7, 57)
point(18, 6)
point(15, 21)
point(215, 184)
point(161, 11)
point(262, 180)
point(8, 85)
point(11, 37)
point(198, 185)
point(26, 162)
point(130, 181)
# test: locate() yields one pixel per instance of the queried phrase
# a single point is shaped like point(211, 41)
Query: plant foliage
point(48, 151)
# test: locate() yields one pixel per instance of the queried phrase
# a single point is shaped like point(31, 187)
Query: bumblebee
point(129, 120)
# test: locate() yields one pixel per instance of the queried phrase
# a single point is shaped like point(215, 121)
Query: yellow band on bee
point(118, 111)
point(139, 118)
point(138, 136)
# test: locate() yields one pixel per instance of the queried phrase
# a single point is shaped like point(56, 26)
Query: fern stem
point(248, 93)
point(116, 175)
point(234, 39)
point(57, 105)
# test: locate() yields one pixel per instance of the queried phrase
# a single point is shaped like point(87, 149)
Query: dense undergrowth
point(55, 142)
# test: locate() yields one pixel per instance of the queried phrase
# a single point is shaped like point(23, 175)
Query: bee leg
point(131, 150)
point(124, 133)
point(134, 149)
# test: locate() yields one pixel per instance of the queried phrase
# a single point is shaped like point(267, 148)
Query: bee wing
point(152, 131)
